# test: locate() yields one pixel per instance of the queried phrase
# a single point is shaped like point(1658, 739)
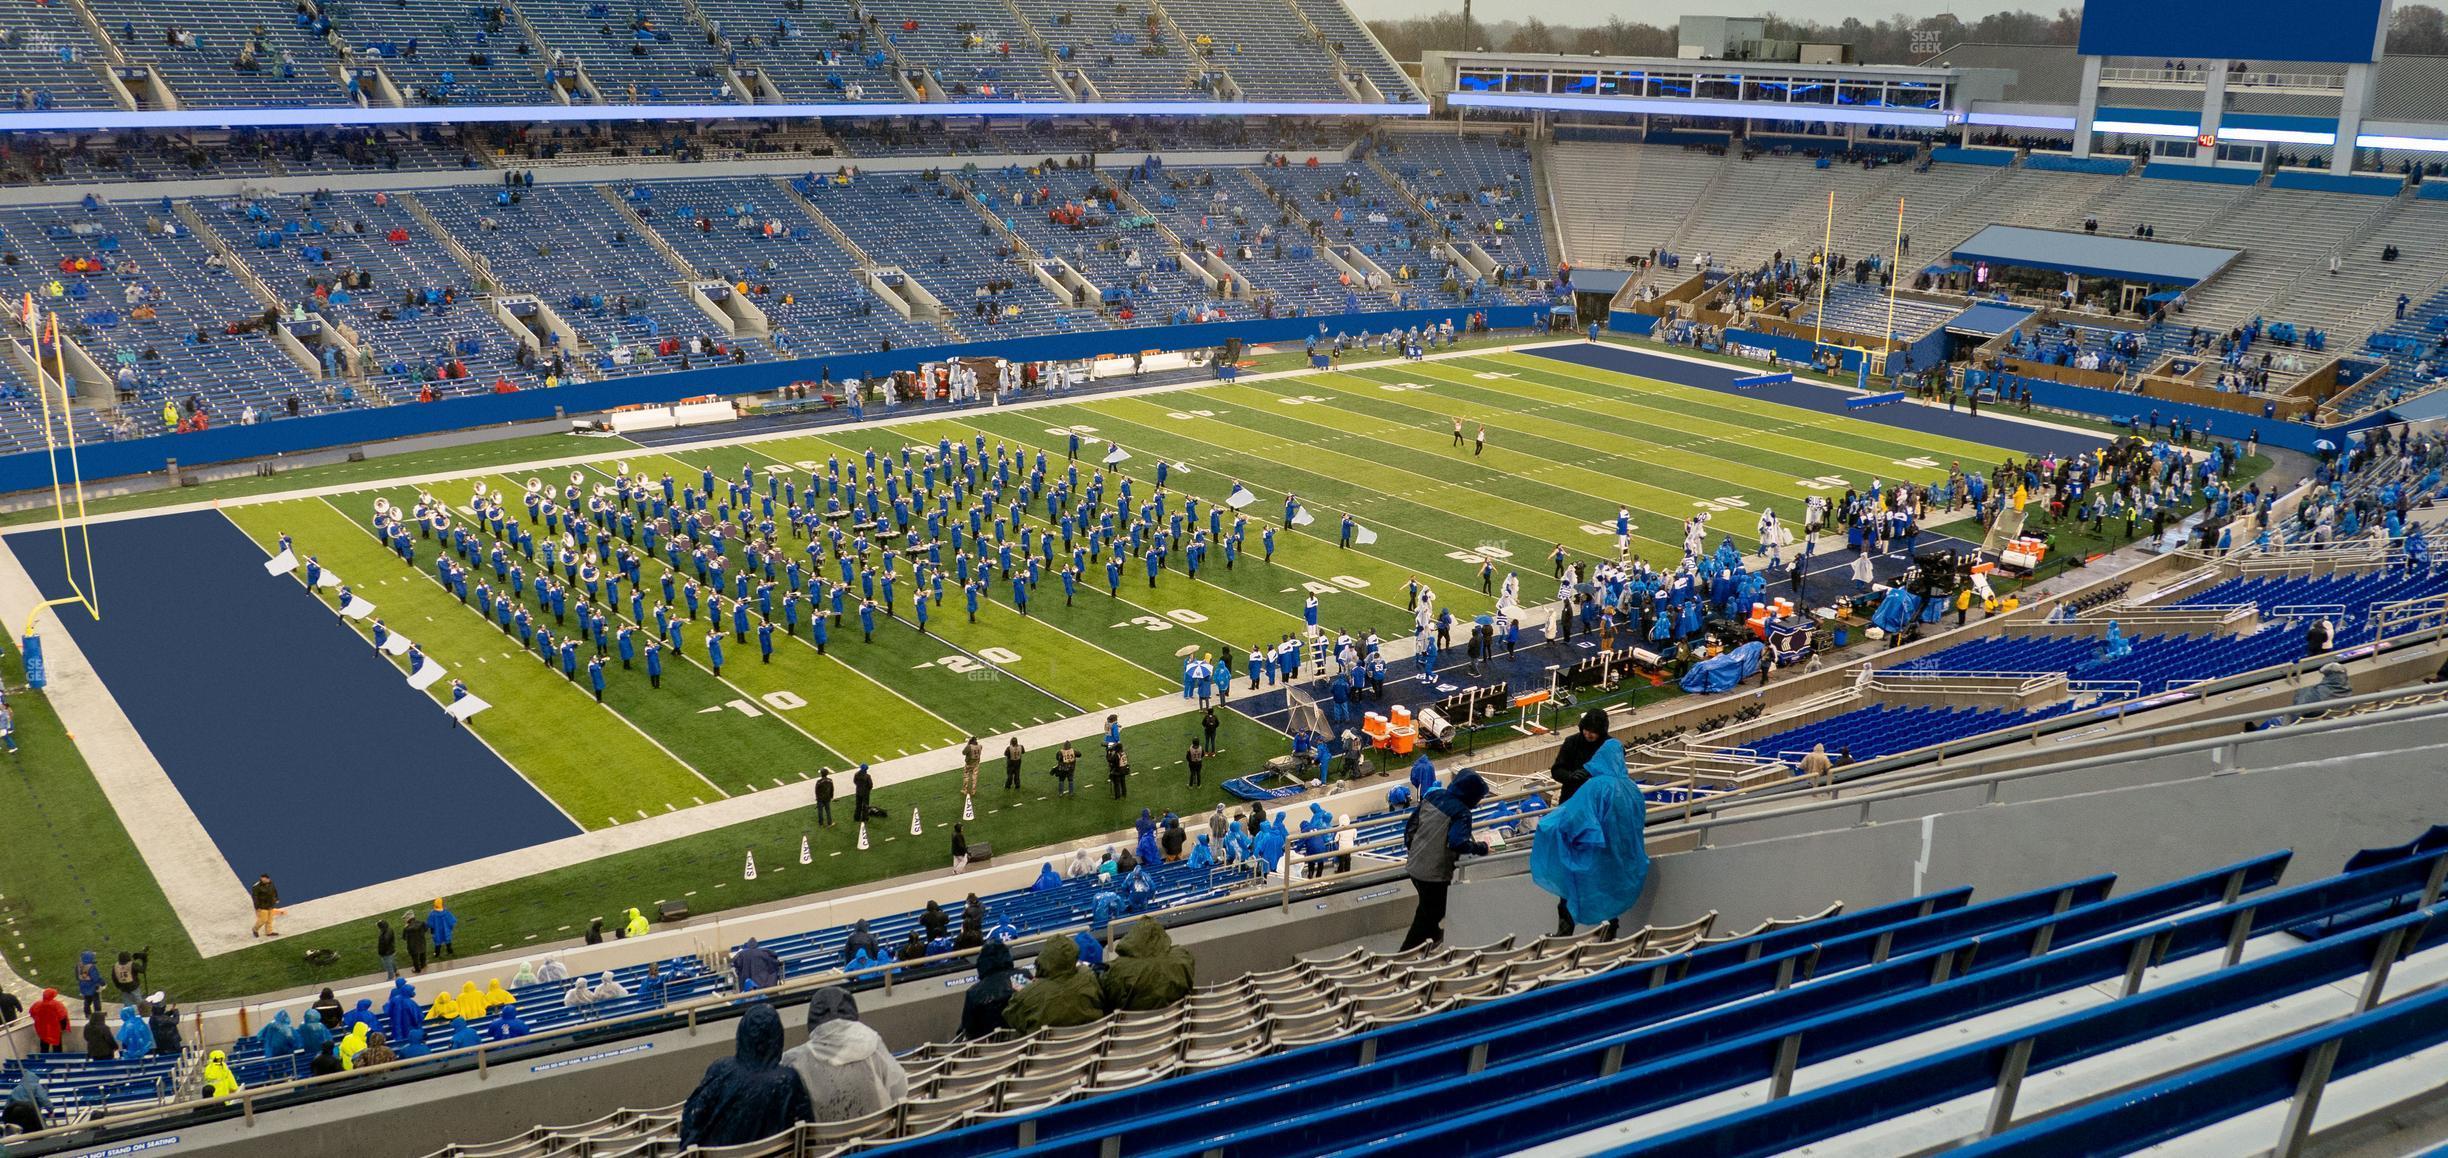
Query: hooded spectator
point(50, 1020)
point(401, 1014)
point(862, 939)
point(1148, 970)
point(280, 1037)
point(844, 1065)
point(26, 1106)
point(1062, 995)
point(99, 1044)
point(165, 1023)
point(313, 1035)
point(135, 1037)
point(982, 1008)
point(750, 1095)
point(1438, 834)
point(327, 1010)
point(376, 1052)
point(1590, 850)
point(756, 966)
point(218, 1081)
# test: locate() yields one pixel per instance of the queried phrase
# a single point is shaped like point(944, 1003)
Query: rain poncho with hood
point(609, 988)
point(1202, 855)
point(862, 939)
point(1047, 879)
point(495, 996)
point(313, 1035)
point(1148, 971)
point(219, 1082)
point(553, 969)
point(1063, 993)
point(525, 976)
point(135, 1037)
point(364, 1014)
point(750, 1095)
point(507, 1024)
point(982, 1008)
point(352, 1045)
point(845, 1066)
point(27, 1104)
point(634, 924)
point(401, 1014)
point(280, 1037)
point(1589, 849)
point(756, 966)
point(462, 1035)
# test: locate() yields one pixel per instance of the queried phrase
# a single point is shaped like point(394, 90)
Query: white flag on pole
point(1116, 455)
point(397, 644)
point(281, 564)
point(464, 707)
point(357, 608)
point(1301, 517)
point(1240, 497)
point(1362, 535)
point(328, 580)
point(426, 676)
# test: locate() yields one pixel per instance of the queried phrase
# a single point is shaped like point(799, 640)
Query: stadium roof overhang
point(293, 117)
point(2091, 255)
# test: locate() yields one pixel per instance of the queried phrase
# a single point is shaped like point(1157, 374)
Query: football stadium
point(1221, 577)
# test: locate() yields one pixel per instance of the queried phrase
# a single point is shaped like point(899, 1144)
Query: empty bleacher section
point(806, 284)
point(49, 61)
point(436, 55)
point(965, 51)
point(1482, 189)
point(228, 53)
point(1265, 47)
point(1615, 203)
point(930, 231)
point(811, 50)
point(633, 51)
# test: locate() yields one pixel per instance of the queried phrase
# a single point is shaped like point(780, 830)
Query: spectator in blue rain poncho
point(1201, 856)
point(2118, 647)
point(1589, 850)
point(1047, 879)
point(402, 1016)
point(135, 1037)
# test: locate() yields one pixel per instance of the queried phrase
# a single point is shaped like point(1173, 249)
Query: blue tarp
point(1897, 611)
point(1724, 672)
point(1988, 319)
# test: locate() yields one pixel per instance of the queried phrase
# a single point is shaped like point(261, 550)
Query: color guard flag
point(1240, 497)
point(1362, 535)
point(1116, 455)
point(1301, 517)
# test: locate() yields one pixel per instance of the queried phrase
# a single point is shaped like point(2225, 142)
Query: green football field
point(1565, 447)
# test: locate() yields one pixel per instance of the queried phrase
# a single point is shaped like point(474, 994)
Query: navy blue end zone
point(279, 724)
point(2022, 438)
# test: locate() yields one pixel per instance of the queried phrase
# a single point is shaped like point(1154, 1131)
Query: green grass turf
point(76, 882)
point(1566, 446)
point(474, 456)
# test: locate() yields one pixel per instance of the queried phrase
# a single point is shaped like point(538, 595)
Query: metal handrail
point(692, 1012)
point(2226, 742)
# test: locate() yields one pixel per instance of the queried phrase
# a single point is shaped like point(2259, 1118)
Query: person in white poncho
point(848, 1071)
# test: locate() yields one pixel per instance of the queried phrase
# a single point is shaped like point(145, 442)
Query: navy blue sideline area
point(2020, 437)
point(191, 632)
point(33, 469)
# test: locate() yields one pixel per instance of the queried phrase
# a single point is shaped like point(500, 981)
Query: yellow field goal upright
point(67, 475)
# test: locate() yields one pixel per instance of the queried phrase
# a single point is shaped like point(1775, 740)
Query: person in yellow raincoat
point(219, 1082)
point(471, 1001)
point(634, 925)
point(354, 1044)
point(495, 996)
point(445, 1007)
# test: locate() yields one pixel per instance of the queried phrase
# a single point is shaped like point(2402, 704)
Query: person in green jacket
point(1148, 971)
point(1063, 993)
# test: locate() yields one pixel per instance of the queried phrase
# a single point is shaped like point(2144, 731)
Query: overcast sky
point(1664, 12)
